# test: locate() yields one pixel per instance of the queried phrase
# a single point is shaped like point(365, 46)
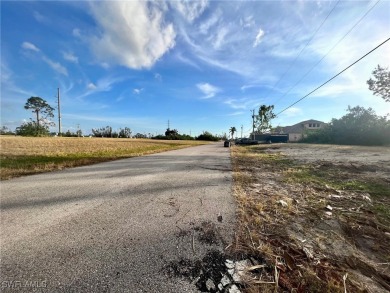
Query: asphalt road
point(114, 227)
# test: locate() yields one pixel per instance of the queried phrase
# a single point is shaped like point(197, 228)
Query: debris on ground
point(318, 222)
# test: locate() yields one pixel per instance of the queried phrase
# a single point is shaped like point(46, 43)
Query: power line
point(365, 55)
point(308, 42)
point(323, 57)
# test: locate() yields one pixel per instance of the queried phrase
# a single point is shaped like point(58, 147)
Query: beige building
point(297, 131)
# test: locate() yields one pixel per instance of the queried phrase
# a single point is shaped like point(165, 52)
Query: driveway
point(116, 226)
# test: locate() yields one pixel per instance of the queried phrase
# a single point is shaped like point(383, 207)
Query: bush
point(32, 129)
point(207, 136)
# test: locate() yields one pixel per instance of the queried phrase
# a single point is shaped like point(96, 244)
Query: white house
point(297, 131)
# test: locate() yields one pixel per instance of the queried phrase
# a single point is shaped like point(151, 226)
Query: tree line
point(359, 126)
point(39, 126)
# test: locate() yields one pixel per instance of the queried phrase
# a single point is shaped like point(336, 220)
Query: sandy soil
point(336, 237)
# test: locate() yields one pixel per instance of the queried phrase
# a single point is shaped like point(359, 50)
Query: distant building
point(297, 131)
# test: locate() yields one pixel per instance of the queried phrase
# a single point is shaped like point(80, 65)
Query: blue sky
point(202, 65)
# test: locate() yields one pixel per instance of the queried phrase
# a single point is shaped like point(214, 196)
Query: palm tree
point(232, 130)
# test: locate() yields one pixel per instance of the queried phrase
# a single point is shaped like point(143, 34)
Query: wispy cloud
point(190, 10)
point(219, 38)
point(208, 89)
point(30, 46)
point(8, 84)
point(55, 65)
point(102, 85)
point(247, 22)
point(69, 56)
point(244, 103)
point(137, 91)
point(179, 56)
point(206, 25)
point(76, 32)
point(39, 17)
point(135, 42)
point(292, 112)
point(91, 86)
point(258, 38)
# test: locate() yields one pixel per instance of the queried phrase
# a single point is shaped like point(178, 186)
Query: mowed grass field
point(21, 156)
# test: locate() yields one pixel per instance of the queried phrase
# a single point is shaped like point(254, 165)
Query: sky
point(201, 65)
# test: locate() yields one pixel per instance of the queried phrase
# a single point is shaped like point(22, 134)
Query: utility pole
point(168, 125)
point(241, 130)
point(253, 123)
point(59, 112)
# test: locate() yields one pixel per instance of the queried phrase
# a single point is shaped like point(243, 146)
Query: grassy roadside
point(311, 227)
point(21, 156)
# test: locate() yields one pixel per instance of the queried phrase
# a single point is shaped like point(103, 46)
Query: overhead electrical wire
point(365, 55)
point(308, 42)
point(323, 57)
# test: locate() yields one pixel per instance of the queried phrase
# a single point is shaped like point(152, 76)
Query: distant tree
point(359, 126)
point(126, 132)
point(32, 129)
point(264, 117)
point(172, 132)
point(140, 135)
point(6, 131)
point(68, 134)
point(380, 85)
point(103, 132)
point(42, 110)
point(172, 135)
point(232, 130)
point(207, 136)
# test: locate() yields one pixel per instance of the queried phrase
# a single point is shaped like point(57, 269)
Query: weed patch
point(309, 220)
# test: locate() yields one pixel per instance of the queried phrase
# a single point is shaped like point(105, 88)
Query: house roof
point(299, 127)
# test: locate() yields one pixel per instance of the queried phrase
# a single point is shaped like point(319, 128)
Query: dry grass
point(29, 155)
point(283, 224)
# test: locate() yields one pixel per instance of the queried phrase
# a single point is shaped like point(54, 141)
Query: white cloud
point(137, 38)
point(39, 17)
point(209, 23)
point(235, 113)
point(76, 32)
point(91, 86)
point(220, 37)
point(208, 89)
point(8, 85)
point(242, 103)
point(55, 65)
point(187, 61)
point(258, 38)
point(247, 22)
point(191, 10)
point(30, 46)
point(292, 112)
point(158, 76)
point(70, 57)
point(102, 85)
point(137, 91)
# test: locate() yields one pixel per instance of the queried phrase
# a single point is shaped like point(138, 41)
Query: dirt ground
point(317, 215)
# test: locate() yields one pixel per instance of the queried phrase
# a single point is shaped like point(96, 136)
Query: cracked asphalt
point(113, 227)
